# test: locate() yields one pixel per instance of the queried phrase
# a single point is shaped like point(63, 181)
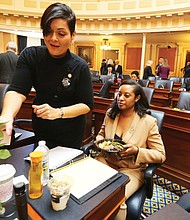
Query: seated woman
point(127, 119)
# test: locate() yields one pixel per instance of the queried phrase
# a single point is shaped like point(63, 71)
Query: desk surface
point(172, 211)
point(73, 211)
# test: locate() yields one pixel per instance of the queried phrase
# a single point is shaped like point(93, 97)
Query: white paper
point(87, 174)
point(61, 155)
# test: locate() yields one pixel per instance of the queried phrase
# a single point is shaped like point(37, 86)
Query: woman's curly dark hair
point(141, 106)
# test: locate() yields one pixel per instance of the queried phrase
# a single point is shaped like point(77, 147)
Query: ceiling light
point(105, 45)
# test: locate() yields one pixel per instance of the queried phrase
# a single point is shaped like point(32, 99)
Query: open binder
point(89, 177)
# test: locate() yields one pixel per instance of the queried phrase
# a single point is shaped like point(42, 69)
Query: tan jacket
point(143, 133)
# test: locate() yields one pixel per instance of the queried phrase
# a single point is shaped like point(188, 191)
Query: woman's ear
point(73, 35)
point(137, 98)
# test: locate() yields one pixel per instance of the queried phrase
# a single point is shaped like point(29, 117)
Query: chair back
point(154, 78)
point(177, 79)
point(184, 101)
point(164, 84)
point(3, 90)
point(159, 115)
point(149, 93)
point(104, 91)
point(145, 82)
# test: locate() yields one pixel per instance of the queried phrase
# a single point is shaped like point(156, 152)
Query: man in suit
point(8, 61)
point(118, 69)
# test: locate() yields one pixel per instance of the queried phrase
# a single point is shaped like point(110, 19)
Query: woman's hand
point(45, 111)
point(129, 150)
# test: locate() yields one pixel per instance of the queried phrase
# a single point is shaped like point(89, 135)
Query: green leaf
point(4, 154)
point(1, 134)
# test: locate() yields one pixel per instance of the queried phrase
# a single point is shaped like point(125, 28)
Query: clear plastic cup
point(60, 191)
point(7, 172)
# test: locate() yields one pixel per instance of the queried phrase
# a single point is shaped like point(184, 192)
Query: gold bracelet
point(62, 113)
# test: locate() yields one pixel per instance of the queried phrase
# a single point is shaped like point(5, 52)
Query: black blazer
point(118, 70)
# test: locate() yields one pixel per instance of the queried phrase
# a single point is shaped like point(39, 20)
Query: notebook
point(59, 156)
point(89, 177)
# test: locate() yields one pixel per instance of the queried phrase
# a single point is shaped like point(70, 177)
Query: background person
point(118, 68)
point(148, 70)
point(164, 69)
point(8, 61)
point(62, 81)
point(186, 70)
point(127, 120)
point(160, 61)
point(135, 76)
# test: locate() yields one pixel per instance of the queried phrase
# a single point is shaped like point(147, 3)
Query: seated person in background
point(164, 69)
point(110, 71)
point(186, 85)
point(135, 76)
point(127, 119)
point(148, 70)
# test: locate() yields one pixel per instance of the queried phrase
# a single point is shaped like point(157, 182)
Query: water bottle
point(21, 200)
point(45, 160)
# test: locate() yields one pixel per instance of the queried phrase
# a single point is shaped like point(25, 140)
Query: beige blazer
point(143, 133)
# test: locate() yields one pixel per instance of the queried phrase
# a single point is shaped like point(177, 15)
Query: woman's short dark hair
point(141, 106)
point(58, 10)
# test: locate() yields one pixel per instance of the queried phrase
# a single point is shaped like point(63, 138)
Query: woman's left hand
point(45, 111)
point(129, 150)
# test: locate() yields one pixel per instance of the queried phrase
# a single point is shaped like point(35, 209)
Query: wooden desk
point(175, 133)
point(175, 98)
point(161, 97)
point(104, 205)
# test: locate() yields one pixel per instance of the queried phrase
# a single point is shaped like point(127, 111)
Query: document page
point(87, 174)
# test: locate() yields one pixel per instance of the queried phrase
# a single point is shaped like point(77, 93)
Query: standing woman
point(148, 70)
point(128, 121)
point(164, 69)
point(62, 81)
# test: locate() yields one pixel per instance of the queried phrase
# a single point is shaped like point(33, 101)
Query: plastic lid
point(36, 156)
point(40, 143)
point(7, 171)
point(19, 188)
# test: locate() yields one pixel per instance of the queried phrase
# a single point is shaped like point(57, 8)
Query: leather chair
point(164, 84)
point(177, 79)
point(136, 201)
point(149, 93)
point(104, 91)
point(184, 101)
point(145, 82)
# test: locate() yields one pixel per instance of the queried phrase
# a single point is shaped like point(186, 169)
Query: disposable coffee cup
point(7, 172)
point(60, 191)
